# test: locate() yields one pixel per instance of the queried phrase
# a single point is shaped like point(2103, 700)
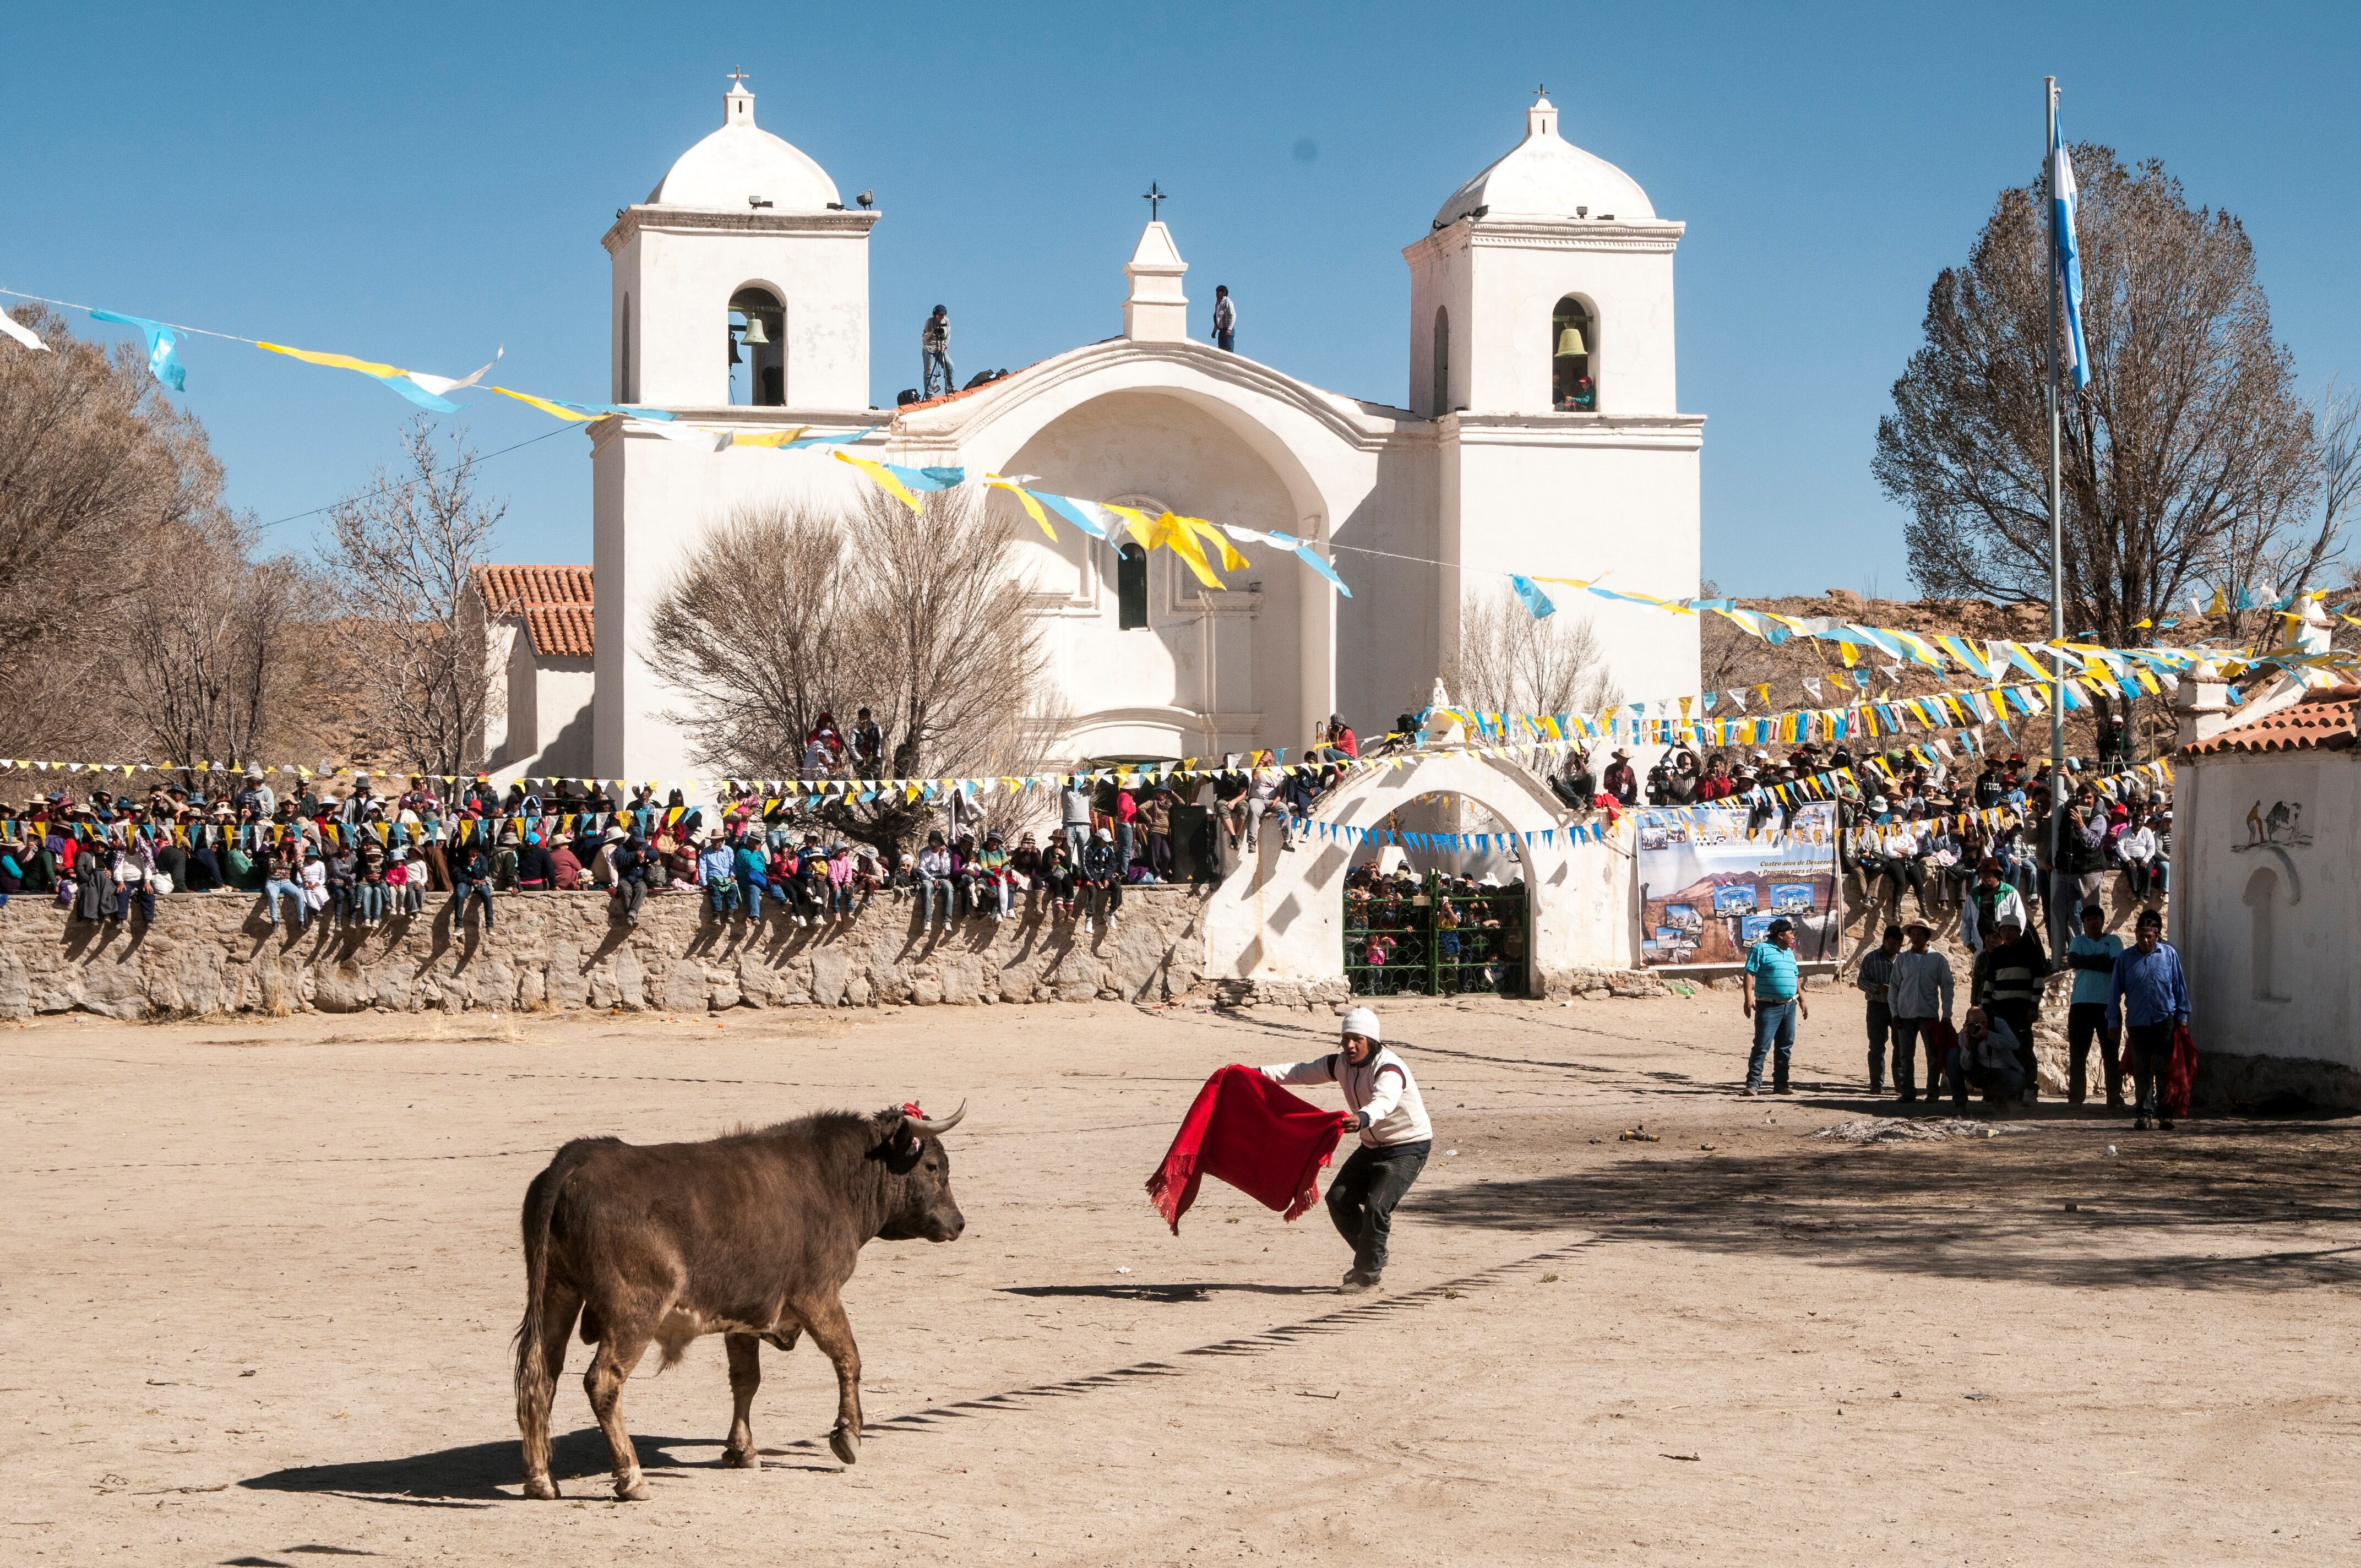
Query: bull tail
point(536, 1379)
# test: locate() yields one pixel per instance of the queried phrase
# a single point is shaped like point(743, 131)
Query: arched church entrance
point(1280, 916)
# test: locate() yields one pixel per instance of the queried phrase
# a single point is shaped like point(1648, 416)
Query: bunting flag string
point(1187, 538)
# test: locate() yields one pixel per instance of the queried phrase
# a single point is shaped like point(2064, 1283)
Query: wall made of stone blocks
point(210, 953)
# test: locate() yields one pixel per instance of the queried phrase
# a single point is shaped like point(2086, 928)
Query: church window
point(1131, 587)
point(758, 365)
point(1442, 395)
point(1572, 338)
point(624, 392)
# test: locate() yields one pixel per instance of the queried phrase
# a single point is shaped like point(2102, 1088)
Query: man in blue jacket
point(2152, 992)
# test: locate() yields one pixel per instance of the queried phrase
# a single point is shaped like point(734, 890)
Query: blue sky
point(419, 185)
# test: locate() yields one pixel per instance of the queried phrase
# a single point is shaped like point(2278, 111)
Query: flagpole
point(2052, 283)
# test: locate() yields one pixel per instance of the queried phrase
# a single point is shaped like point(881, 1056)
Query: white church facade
point(1542, 436)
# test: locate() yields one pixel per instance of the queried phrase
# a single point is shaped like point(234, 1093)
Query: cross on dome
point(738, 76)
point(1154, 198)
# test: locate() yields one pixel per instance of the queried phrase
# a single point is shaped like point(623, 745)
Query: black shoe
point(2164, 1124)
point(1781, 1088)
point(2140, 1125)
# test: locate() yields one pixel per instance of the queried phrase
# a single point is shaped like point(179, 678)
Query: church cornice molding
point(657, 219)
point(1637, 236)
point(1684, 432)
point(1363, 426)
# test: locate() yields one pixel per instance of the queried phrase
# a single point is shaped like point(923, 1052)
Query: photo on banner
point(1709, 891)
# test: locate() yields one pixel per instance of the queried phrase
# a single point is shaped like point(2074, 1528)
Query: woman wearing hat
point(1396, 1138)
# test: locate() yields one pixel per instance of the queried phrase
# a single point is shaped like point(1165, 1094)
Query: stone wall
point(212, 953)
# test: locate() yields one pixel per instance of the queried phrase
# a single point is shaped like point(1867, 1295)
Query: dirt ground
point(258, 1281)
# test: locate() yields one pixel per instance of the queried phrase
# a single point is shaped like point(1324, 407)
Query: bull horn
point(923, 1126)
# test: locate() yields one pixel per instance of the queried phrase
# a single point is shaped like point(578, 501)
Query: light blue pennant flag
point(163, 346)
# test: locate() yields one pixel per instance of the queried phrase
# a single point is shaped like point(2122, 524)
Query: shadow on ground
point(482, 1474)
point(2215, 1205)
point(1166, 1293)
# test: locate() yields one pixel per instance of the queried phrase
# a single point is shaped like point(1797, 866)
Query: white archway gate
point(1279, 917)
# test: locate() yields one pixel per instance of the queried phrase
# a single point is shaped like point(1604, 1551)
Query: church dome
point(742, 165)
point(1547, 176)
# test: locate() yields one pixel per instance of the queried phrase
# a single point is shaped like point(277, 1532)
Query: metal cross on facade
point(1541, 91)
point(1154, 198)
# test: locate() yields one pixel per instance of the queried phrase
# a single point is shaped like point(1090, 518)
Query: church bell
point(754, 334)
point(1569, 343)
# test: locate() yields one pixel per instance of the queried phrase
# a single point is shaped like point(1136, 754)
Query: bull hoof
point(740, 1459)
point(635, 1490)
point(846, 1445)
point(541, 1488)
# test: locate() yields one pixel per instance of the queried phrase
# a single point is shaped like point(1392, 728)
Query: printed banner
point(1708, 890)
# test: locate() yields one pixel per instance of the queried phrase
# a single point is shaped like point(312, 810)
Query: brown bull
point(751, 1236)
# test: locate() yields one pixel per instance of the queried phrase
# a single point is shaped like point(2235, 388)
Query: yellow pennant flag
point(1024, 498)
point(546, 406)
point(884, 477)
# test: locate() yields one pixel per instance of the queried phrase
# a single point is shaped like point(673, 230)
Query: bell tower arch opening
point(758, 355)
point(1572, 342)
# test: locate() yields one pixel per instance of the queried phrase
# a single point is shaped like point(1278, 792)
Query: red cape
point(1254, 1135)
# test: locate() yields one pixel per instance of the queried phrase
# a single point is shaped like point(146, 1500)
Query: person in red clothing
point(1340, 737)
point(1126, 829)
point(1715, 784)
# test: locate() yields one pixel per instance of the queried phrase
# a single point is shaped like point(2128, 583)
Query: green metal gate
point(1439, 936)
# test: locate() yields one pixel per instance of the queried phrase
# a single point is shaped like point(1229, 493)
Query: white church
point(1543, 435)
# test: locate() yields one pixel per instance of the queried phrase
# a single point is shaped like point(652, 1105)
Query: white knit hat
point(1361, 1021)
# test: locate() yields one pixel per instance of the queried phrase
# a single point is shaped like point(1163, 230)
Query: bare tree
point(103, 483)
point(1508, 661)
point(790, 610)
point(2189, 456)
point(405, 549)
point(214, 657)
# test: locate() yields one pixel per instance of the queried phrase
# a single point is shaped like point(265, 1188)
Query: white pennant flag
point(22, 333)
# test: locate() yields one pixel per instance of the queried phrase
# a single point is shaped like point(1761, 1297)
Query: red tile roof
point(559, 630)
point(2323, 721)
point(507, 589)
point(554, 603)
point(936, 402)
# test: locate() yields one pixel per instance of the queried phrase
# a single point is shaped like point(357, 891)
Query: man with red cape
point(1246, 1130)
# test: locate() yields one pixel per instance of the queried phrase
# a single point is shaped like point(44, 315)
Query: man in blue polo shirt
point(1772, 995)
point(2152, 993)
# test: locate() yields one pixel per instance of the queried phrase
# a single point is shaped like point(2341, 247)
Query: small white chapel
point(1540, 433)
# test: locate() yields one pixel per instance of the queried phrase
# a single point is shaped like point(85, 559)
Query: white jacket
point(2011, 902)
point(1380, 1090)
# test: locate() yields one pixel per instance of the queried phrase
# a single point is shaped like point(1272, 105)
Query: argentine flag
point(2064, 198)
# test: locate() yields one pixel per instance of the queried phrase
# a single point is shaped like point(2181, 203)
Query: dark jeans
point(2139, 879)
point(139, 896)
point(461, 892)
point(1880, 1030)
point(1907, 1033)
point(1775, 1023)
point(2083, 1020)
point(1896, 875)
point(2005, 1084)
point(1227, 342)
point(1361, 1199)
point(2151, 1052)
point(2019, 1018)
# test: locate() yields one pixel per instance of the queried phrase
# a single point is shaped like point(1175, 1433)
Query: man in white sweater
point(1395, 1139)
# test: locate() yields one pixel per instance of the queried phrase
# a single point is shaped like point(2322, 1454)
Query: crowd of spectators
point(338, 848)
